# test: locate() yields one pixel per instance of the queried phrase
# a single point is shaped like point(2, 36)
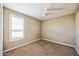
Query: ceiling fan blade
point(49, 13)
point(55, 9)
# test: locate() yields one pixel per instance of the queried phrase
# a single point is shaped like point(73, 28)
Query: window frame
point(10, 26)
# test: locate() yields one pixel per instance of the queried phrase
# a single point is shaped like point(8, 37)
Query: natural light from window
point(16, 28)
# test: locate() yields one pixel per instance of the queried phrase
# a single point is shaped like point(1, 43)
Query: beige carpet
point(43, 48)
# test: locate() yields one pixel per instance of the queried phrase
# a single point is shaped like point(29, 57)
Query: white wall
point(32, 29)
point(1, 30)
point(77, 31)
point(59, 29)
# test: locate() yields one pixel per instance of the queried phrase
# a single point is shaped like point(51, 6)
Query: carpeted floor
point(43, 48)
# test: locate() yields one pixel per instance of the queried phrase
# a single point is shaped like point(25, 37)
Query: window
point(16, 28)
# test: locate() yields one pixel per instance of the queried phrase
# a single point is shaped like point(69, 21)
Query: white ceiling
point(36, 10)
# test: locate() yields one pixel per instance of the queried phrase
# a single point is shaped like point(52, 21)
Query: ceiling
point(37, 10)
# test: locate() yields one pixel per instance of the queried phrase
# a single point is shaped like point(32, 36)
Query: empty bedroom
point(40, 29)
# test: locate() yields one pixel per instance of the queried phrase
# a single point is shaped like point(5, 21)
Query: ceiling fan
point(47, 10)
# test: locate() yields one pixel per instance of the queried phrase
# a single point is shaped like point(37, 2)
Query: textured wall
point(59, 29)
point(32, 29)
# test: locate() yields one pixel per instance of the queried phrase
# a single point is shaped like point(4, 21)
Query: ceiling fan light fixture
point(46, 9)
point(43, 15)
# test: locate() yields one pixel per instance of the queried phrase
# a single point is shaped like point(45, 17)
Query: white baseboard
point(59, 42)
point(77, 50)
point(20, 45)
point(62, 44)
point(42, 39)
